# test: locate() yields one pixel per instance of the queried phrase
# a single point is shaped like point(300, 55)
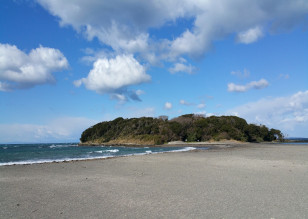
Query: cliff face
point(191, 128)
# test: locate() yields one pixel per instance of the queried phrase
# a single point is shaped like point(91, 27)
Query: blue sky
point(66, 65)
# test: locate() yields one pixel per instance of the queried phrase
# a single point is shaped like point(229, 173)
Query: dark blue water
point(11, 154)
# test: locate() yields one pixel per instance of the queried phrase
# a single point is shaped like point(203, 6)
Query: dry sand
point(254, 181)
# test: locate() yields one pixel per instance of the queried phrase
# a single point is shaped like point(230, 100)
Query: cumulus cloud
point(113, 76)
point(58, 130)
point(249, 36)
point(217, 19)
point(289, 113)
point(180, 67)
point(19, 70)
point(124, 25)
point(252, 85)
point(168, 105)
point(119, 24)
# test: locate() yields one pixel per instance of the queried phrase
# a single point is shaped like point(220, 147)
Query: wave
point(184, 149)
point(28, 162)
point(61, 145)
point(161, 152)
point(113, 150)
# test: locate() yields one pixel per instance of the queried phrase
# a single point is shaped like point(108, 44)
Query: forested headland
point(187, 128)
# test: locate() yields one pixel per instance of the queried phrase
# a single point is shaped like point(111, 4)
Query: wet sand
point(246, 181)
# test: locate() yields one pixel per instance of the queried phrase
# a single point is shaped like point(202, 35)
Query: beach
point(238, 181)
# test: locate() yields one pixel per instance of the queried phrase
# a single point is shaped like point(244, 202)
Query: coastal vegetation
point(187, 128)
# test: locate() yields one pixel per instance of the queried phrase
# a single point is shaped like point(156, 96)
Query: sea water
point(12, 154)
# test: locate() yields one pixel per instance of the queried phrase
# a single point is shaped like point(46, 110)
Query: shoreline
point(244, 181)
point(71, 159)
point(186, 147)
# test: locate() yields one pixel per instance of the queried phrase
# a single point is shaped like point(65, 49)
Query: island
point(186, 128)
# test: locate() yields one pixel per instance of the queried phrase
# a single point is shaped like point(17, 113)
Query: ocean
point(15, 154)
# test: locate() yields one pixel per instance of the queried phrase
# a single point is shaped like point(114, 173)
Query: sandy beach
point(247, 181)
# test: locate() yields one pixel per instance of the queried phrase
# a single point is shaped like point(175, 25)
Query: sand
point(248, 181)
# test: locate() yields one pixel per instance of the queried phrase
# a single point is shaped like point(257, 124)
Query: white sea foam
point(184, 149)
point(98, 152)
point(27, 162)
point(161, 152)
point(61, 146)
point(113, 150)
point(89, 158)
point(4, 148)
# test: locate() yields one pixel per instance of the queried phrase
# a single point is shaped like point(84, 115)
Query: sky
point(67, 65)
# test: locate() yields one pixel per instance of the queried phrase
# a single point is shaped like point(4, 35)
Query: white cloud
point(92, 55)
point(183, 102)
point(137, 112)
point(58, 130)
point(180, 67)
point(205, 114)
point(201, 113)
point(19, 70)
point(168, 105)
point(4, 86)
point(215, 20)
point(249, 36)
point(101, 15)
point(252, 85)
point(120, 97)
point(124, 95)
point(120, 24)
point(193, 44)
point(139, 92)
point(113, 76)
point(201, 106)
point(289, 114)
point(240, 74)
point(212, 114)
point(123, 25)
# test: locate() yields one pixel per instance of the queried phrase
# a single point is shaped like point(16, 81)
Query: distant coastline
point(296, 140)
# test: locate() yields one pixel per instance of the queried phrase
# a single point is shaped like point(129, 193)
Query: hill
point(190, 128)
